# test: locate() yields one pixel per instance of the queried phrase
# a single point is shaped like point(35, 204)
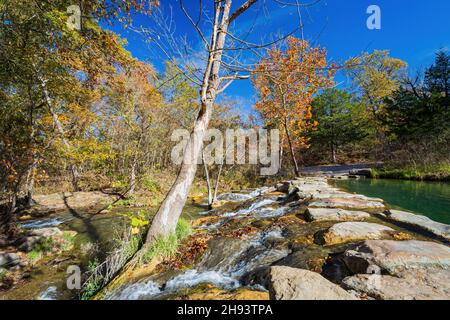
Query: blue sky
point(413, 30)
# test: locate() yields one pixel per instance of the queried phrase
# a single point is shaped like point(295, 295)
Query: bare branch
point(245, 6)
point(199, 31)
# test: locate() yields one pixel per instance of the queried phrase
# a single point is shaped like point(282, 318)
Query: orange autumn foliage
point(286, 82)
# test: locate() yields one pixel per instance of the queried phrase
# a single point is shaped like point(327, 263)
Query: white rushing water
point(254, 207)
point(225, 263)
point(43, 223)
point(49, 294)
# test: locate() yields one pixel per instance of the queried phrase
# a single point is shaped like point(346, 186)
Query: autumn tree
point(51, 73)
point(133, 104)
point(376, 75)
point(286, 82)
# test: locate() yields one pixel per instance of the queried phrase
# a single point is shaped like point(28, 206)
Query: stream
point(251, 232)
point(431, 199)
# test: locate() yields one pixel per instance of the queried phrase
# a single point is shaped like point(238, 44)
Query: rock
point(344, 195)
point(347, 203)
point(354, 231)
point(205, 221)
point(331, 214)
point(212, 293)
point(27, 244)
point(294, 195)
point(394, 257)
point(9, 259)
point(46, 232)
point(237, 197)
point(361, 172)
point(418, 285)
point(436, 228)
point(288, 283)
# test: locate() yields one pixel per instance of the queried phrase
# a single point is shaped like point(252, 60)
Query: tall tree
point(340, 121)
point(286, 82)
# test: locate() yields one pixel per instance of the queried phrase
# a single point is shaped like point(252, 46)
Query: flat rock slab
point(412, 286)
point(437, 228)
point(396, 257)
point(288, 283)
point(332, 214)
point(66, 201)
point(355, 231)
point(345, 195)
point(347, 203)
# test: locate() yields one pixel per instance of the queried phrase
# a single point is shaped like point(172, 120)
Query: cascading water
point(226, 261)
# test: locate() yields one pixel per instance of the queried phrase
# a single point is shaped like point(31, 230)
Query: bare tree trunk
point(165, 220)
point(333, 153)
point(208, 181)
point(132, 178)
point(30, 183)
point(291, 149)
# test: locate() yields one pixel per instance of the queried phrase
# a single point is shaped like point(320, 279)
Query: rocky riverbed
point(302, 239)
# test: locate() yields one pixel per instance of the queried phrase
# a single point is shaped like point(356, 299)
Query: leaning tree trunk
point(165, 220)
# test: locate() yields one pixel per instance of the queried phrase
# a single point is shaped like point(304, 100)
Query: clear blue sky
point(413, 30)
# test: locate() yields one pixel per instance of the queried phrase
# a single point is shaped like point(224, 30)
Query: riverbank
point(420, 173)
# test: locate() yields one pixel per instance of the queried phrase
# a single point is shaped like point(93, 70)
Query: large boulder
point(9, 259)
point(419, 221)
point(332, 214)
point(355, 231)
point(288, 283)
point(404, 269)
point(413, 285)
point(395, 257)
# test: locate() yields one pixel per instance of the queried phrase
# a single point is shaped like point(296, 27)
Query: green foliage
point(340, 121)
point(184, 229)
point(93, 284)
point(3, 274)
point(151, 185)
point(168, 246)
point(34, 255)
point(438, 172)
point(69, 240)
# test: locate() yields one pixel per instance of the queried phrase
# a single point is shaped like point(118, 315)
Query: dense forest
point(79, 113)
